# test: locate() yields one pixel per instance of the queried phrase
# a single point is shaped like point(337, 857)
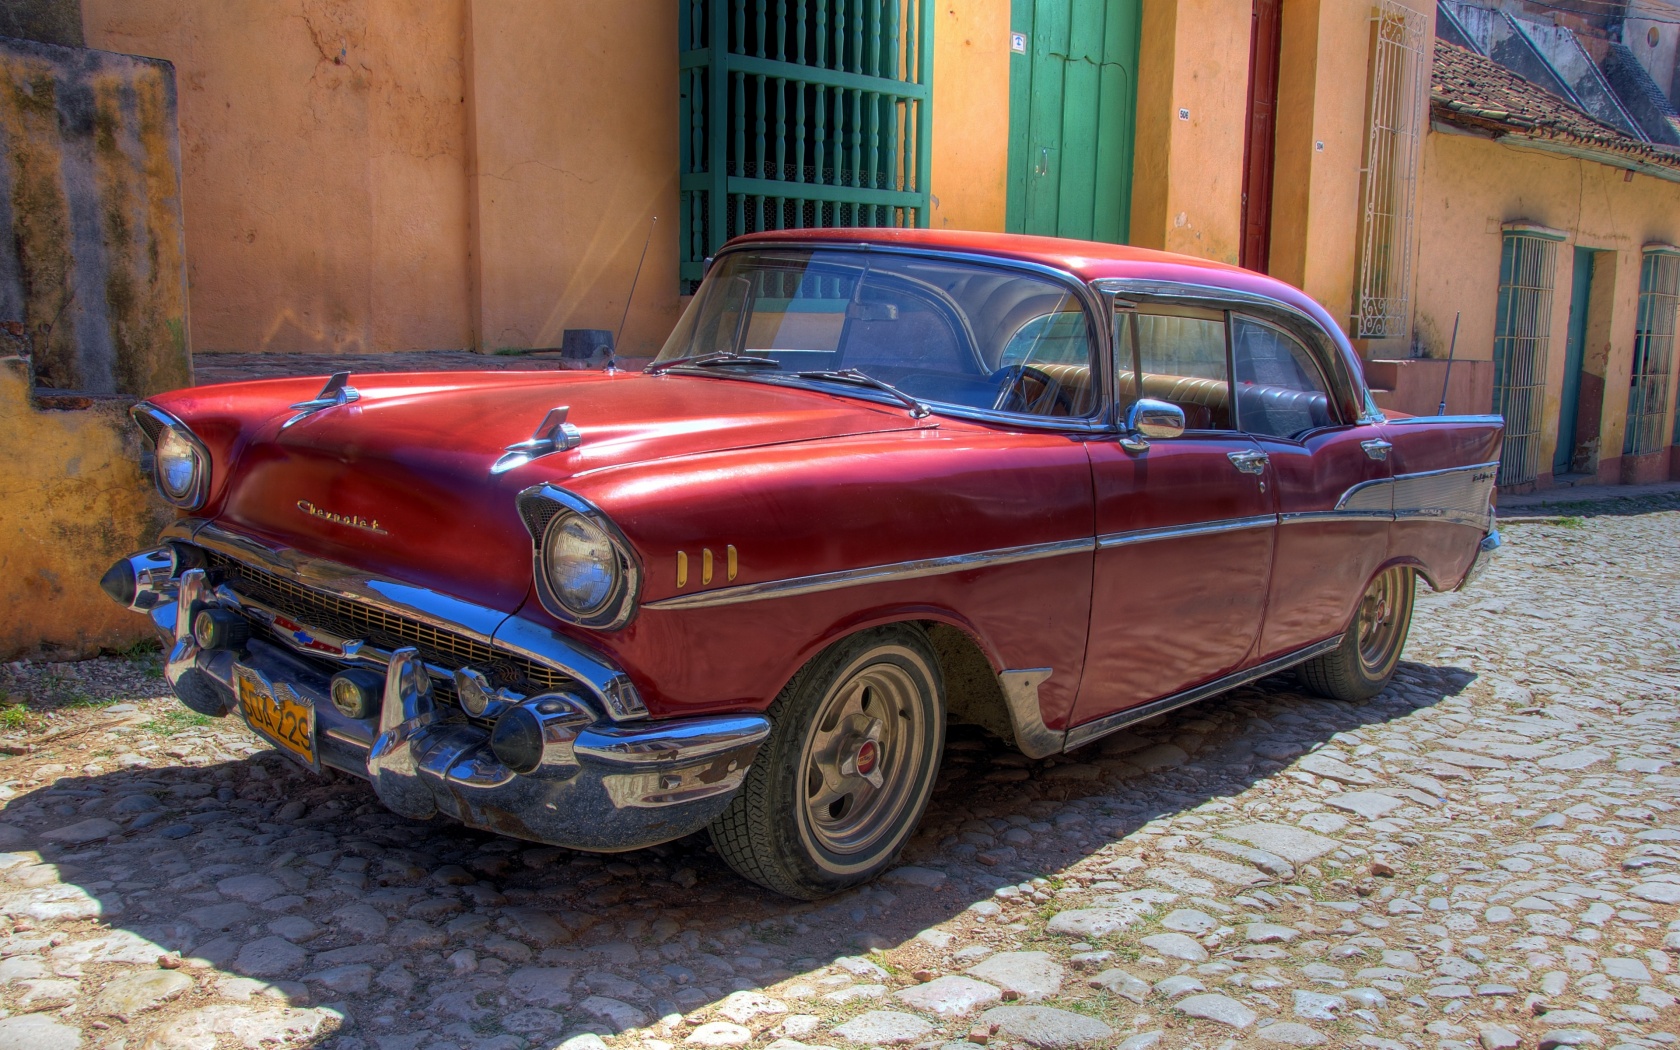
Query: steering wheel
point(1014, 395)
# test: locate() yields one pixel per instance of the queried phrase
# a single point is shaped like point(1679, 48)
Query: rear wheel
point(1363, 664)
point(848, 769)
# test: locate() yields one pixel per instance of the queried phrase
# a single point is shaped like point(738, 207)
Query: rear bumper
point(601, 784)
point(1485, 553)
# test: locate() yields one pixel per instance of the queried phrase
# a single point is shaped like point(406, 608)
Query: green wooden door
point(1574, 351)
point(1072, 112)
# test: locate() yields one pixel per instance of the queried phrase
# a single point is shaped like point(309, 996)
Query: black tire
point(1363, 664)
point(801, 824)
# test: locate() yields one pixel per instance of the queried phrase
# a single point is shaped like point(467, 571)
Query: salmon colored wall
point(574, 112)
point(323, 152)
point(970, 115)
point(1470, 187)
point(1187, 173)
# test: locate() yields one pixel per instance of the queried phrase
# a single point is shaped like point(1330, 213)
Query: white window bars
point(1389, 185)
point(1653, 351)
point(1521, 344)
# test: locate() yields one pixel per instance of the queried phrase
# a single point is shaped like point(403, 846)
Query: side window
point(1180, 359)
point(1280, 390)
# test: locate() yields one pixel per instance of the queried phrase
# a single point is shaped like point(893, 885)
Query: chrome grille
point(386, 630)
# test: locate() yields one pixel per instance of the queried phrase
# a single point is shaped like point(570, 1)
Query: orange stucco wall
point(1471, 187)
point(970, 115)
point(1192, 109)
point(323, 182)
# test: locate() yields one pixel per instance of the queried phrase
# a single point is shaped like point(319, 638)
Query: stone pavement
point(1488, 854)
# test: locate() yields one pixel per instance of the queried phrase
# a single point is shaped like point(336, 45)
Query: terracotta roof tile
point(1471, 91)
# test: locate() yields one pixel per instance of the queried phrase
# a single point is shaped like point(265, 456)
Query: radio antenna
point(1451, 349)
point(613, 363)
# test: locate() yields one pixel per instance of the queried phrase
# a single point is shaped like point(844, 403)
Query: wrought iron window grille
point(1650, 379)
point(801, 113)
point(1521, 345)
point(1388, 177)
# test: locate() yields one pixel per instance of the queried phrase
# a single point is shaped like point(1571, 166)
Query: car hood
point(399, 482)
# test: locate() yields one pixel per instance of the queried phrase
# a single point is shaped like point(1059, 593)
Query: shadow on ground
point(257, 869)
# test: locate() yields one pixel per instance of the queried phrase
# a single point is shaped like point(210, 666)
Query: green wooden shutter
point(800, 113)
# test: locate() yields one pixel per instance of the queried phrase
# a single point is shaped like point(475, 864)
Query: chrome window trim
point(620, 607)
point(1097, 422)
point(892, 572)
point(491, 627)
point(1234, 299)
point(1174, 532)
point(168, 421)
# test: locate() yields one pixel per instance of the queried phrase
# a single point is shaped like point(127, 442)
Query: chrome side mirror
point(1154, 419)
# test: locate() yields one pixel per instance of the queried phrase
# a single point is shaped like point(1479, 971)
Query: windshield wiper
point(715, 359)
point(853, 375)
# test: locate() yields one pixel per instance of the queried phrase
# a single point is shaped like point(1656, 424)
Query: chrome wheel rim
point(1380, 623)
point(860, 758)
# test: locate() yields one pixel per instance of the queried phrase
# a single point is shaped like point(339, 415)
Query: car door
point(1185, 524)
point(1326, 551)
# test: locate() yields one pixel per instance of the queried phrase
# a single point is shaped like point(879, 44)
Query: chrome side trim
point(1457, 495)
point(1307, 516)
point(610, 685)
point(1020, 693)
point(1175, 532)
point(904, 570)
point(1081, 735)
point(1410, 420)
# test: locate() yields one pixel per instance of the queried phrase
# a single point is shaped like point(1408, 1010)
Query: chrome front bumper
point(1485, 553)
point(603, 784)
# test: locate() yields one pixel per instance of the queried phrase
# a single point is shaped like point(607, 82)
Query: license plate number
point(284, 720)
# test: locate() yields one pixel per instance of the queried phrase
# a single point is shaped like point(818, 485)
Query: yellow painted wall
point(1187, 171)
point(323, 149)
point(72, 501)
point(1470, 187)
point(970, 115)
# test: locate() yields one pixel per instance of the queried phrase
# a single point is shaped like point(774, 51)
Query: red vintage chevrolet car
point(877, 480)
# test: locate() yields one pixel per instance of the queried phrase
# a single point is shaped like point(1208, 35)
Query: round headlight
point(178, 464)
point(581, 563)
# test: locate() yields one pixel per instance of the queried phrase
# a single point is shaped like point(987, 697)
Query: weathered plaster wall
point(574, 118)
point(72, 500)
point(91, 253)
point(324, 148)
point(1470, 187)
point(1187, 169)
point(970, 115)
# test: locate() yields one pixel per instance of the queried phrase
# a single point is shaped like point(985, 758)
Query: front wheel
point(1362, 665)
point(848, 769)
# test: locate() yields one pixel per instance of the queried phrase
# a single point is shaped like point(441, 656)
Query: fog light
point(517, 740)
point(357, 693)
point(220, 629)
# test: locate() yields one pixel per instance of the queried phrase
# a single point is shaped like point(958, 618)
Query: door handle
point(1249, 461)
point(1376, 448)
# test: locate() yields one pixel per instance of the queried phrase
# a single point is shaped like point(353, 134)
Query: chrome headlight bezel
point(155, 423)
point(545, 508)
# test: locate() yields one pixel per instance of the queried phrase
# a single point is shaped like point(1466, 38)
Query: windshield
point(938, 330)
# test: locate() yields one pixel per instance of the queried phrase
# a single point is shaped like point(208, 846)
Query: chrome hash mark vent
point(352, 619)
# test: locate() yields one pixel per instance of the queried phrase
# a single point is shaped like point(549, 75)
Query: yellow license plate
point(284, 720)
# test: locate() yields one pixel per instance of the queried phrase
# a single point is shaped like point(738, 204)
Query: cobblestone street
point(1486, 855)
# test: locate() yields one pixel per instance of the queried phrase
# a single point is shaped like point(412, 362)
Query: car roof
point(1086, 260)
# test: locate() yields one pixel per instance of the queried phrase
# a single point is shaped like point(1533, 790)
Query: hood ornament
point(338, 391)
point(553, 434)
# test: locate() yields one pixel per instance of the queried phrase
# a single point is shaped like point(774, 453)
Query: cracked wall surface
point(91, 248)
